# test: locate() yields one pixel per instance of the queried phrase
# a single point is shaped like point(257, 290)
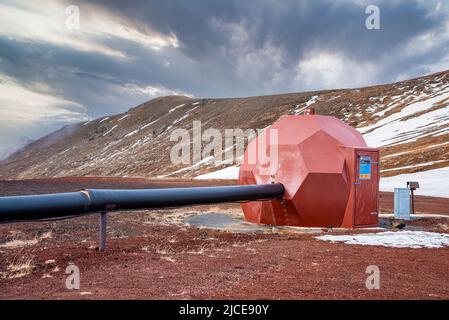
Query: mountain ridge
point(409, 120)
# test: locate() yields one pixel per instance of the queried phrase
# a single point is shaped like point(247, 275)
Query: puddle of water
point(222, 221)
point(226, 222)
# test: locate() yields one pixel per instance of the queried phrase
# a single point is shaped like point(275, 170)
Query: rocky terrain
point(409, 120)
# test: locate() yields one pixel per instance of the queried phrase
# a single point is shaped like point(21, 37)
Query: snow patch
point(432, 182)
point(177, 107)
point(110, 130)
point(226, 173)
point(125, 116)
point(198, 164)
point(311, 101)
point(136, 144)
point(180, 119)
point(393, 129)
point(397, 239)
point(132, 133)
point(149, 124)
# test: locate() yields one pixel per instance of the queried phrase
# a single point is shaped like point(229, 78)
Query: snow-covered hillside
point(413, 115)
point(407, 117)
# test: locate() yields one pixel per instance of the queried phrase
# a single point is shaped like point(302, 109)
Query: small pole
point(412, 199)
point(102, 240)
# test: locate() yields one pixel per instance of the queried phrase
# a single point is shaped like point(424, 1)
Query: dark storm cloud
point(233, 48)
point(295, 28)
point(291, 25)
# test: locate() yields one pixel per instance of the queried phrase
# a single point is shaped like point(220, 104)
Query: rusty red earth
point(145, 254)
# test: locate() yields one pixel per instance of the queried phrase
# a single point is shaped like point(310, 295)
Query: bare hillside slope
point(409, 120)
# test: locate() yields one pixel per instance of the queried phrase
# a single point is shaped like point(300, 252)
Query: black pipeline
point(60, 205)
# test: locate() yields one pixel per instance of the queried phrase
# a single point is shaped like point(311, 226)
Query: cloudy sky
point(53, 73)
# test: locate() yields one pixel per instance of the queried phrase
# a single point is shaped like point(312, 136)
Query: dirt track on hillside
point(153, 254)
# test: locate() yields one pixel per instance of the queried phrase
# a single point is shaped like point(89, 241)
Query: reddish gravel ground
point(149, 257)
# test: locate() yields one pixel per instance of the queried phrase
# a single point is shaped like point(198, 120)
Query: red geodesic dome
point(316, 162)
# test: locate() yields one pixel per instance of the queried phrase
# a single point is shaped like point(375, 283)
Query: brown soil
point(423, 204)
point(151, 255)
